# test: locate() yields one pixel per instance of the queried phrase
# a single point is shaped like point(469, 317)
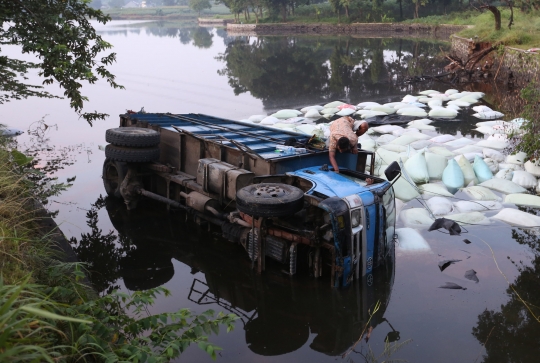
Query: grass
point(49, 314)
point(167, 12)
point(524, 34)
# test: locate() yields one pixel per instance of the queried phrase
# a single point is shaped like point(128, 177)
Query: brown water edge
point(387, 30)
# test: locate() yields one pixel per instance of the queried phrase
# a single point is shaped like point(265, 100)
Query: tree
point(199, 5)
point(60, 34)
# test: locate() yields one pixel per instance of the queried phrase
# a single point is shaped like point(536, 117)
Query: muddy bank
point(369, 29)
point(473, 61)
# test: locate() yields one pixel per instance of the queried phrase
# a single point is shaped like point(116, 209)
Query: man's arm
point(332, 157)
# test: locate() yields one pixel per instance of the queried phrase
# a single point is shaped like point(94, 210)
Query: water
point(282, 319)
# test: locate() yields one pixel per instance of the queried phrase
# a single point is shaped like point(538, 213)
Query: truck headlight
point(355, 218)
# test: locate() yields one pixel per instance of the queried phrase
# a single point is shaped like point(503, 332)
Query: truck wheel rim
point(269, 192)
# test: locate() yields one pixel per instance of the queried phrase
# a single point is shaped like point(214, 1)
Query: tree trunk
point(245, 16)
point(256, 16)
point(400, 10)
point(496, 14)
point(284, 13)
point(347, 11)
point(416, 8)
point(510, 5)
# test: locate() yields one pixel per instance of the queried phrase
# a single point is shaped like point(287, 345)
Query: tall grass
point(48, 314)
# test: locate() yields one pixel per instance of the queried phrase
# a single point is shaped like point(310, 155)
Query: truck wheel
point(270, 200)
point(114, 173)
point(131, 155)
point(132, 137)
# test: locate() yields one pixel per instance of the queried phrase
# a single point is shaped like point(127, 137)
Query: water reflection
point(277, 69)
point(278, 314)
point(511, 334)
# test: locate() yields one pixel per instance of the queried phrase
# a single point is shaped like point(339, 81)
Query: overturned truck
point(278, 202)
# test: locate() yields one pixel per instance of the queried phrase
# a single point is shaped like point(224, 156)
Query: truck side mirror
point(392, 171)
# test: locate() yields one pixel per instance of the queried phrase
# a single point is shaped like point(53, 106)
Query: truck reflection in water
point(278, 312)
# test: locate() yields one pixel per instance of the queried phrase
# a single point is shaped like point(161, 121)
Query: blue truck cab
point(283, 209)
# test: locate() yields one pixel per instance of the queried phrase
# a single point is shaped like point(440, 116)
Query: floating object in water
point(346, 105)
point(451, 91)
point(523, 178)
point(518, 158)
point(435, 164)
point(471, 275)
point(492, 165)
point(410, 240)
point(467, 169)
point(532, 168)
point(518, 218)
point(421, 144)
point(346, 112)
point(416, 168)
point(334, 104)
point(451, 226)
point(486, 130)
point(386, 129)
point(489, 115)
point(428, 92)
point(451, 285)
point(443, 113)
point(481, 170)
point(269, 120)
point(453, 107)
point(416, 217)
point(439, 206)
point(367, 105)
point(432, 189)
point(385, 139)
point(481, 193)
point(505, 174)
point(386, 109)
point(329, 111)
point(256, 118)
point(440, 96)
point(312, 113)
point(442, 138)
point(444, 264)
point(409, 99)
point(523, 199)
point(461, 142)
point(466, 206)
point(493, 144)
point(285, 114)
point(374, 114)
point(442, 151)
point(435, 102)
point(405, 139)
point(466, 241)
point(493, 154)
point(459, 103)
point(504, 186)
point(482, 108)
point(453, 177)
point(314, 107)
point(412, 111)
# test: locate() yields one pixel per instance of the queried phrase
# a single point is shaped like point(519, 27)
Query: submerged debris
point(451, 285)
point(444, 264)
point(471, 275)
point(451, 226)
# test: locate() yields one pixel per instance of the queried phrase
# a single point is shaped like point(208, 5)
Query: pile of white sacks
point(455, 177)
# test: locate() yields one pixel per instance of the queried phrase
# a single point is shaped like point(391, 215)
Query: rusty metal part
point(201, 202)
point(288, 236)
point(160, 168)
point(129, 189)
point(161, 199)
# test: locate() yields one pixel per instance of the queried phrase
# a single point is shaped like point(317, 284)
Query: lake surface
point(204, 70)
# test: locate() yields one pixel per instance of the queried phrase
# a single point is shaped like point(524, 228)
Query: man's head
point(343, 144)
point(362, 128)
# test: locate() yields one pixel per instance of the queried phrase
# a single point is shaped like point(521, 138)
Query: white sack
point(442, 138)
point(481, 170)
point(269, 120)
point(367, 105)
point(410, 240)
point(503, 186)
point(532, 168)
point(346, 112)
point(443, 113)
point(435, 165)
point(471, 218)
point(385, 139)
point(523, 199)
point(468, 171)
point(314, 107)
point(442, 151)
point(334, 104)
point(493, 144)
point(461, 142)
point(525, 179)
point(312, 113)
point(416, 168)
point(420, 144)
point(453, 177)
point(480, 193)
point(492, 165)
point(517, 217)
point(439, 206)
point(518, 158)
point(493, 154)
point(505, 174)
point(466, 206)
point(257, 118)
point(416, 218)
point(385, 129)
point(434, 189)
point(489, 115)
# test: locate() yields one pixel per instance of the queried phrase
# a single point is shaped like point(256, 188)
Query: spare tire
point(113, 174)
point(132, 155)
point(132, 137)
point(270, 200)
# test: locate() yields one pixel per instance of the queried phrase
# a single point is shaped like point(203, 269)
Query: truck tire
point(270, 200)
point(132, 155)
point(132, 137)
point(113, 174)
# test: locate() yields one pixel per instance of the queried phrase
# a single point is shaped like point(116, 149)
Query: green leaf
point(48, 315)
point(20, 158)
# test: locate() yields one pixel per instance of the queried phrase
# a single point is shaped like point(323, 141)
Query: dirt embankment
point(471, 61)
point(368, 29)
